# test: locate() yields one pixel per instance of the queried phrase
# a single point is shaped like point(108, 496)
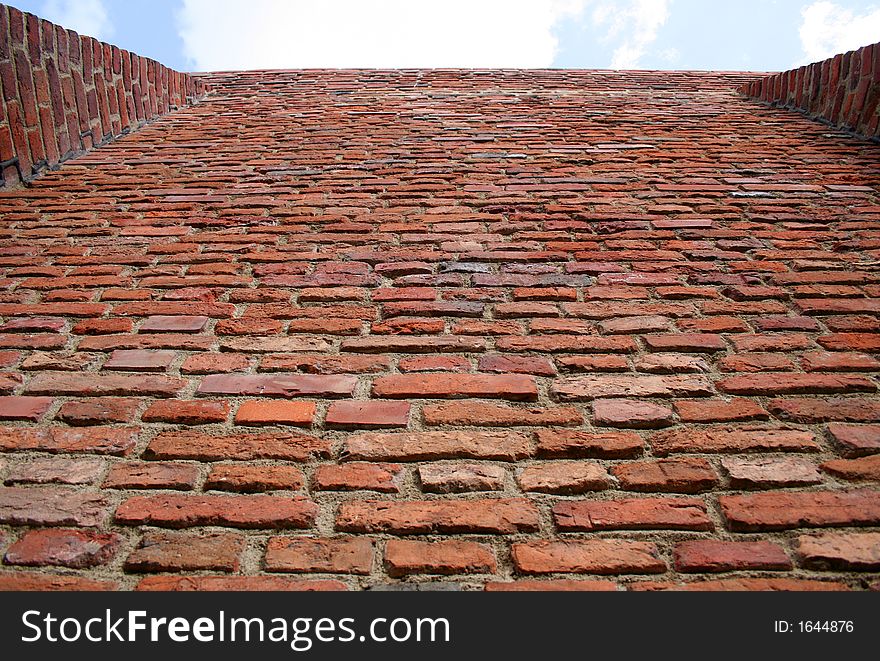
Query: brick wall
point(64, 93)
point(843, 90)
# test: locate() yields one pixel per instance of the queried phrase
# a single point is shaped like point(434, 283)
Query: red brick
point(869, 342)
point(434, 364)
point(45, 470)
point(684, 475)
point(793, 383)
point(140, 360)
point(102, 326)
point(566, 344)
point(806, 410)
point(63, 547)
point(593, 363)
point(32, 582)
point(235, 584)
point(578, 444)
point(367, 414)
point(863, 468)
point(209, 363)
point(275, 412)
point(592, 556)
point(632, 514)
point(756, 362)
point(98, 411)
point(670, 364)
point(248, 326)
point(278, 385)
point(186, 412)
point(243, 446)
point(153, 475)
point(344, 364)
point(24, 408)
point(770, 472)
point(631, 413)
point(514, 386)
point(174, 551)
point(686, 342)
point(772, 342)
point(559, 585)
point(745, 584)
point(172, 324)
point(731, 439)
point(173, 511)
point(419, 446)
point(582, 388)
point(840, 551)
point(403, 557)
point(447, 344)
point(843, 361)
point(634, 325)
point(782, 510)
point(516, 365)
point(247, 479)
point(96, 440)
point(354, 476)
point(856, 440)
point(97, 385)
point(500, 516)
point(709, 555)
point(564, 477)
point(460, 477)
point(331, 555)
point(483, 414)
point(51, 506)
point(719, 410)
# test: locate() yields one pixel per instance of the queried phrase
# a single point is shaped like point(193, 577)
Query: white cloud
point(87, 17)
point(828, 29)
point(638, 22)
point(231, 34)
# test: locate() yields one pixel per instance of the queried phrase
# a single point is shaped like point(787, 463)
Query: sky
point(212, 35)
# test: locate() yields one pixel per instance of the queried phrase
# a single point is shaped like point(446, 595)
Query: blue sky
point(757, 35)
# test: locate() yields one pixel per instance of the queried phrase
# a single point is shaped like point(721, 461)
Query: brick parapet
point(62, 93)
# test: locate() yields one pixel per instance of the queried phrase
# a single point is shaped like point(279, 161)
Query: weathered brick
point(483, 414)
point(398, 344)
point(24, 408)
point(52, 506)
point(503, 516)
point(782, 510)
point(278, 385)
point(140, 360)
point(236, 584)
point(353, 476)
point(592, 556)
point(811, 410)
point(513, 386)
point(681, 475)
point(731, 439)
point(516, 365)
point(686, 342)
point(97, 440)
point(247, 479)
point(458, 477)
point(578, 444)
point(97, 385)
point(210, 363)
point(794, 383)
point(856, 440)
point(737, 409)
point(353, 414)
point(404, 557)
point(332, 555)
point(174, 551)
point(418, 446)
point(631, 414)
point(63, 547)
point(173, 324)
point(710, 555)
point(564, 477)
point(186, 412)
point(558, 585)
point(745, 584)
point(99, 410)
point(769, 472)
point(840, 551)
point(33, 582)
point(863, 468)
point(243, 446)
point(45, 470)
point(583, 388)
point(153, 475)
point(632, 514)
point(173, 511)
